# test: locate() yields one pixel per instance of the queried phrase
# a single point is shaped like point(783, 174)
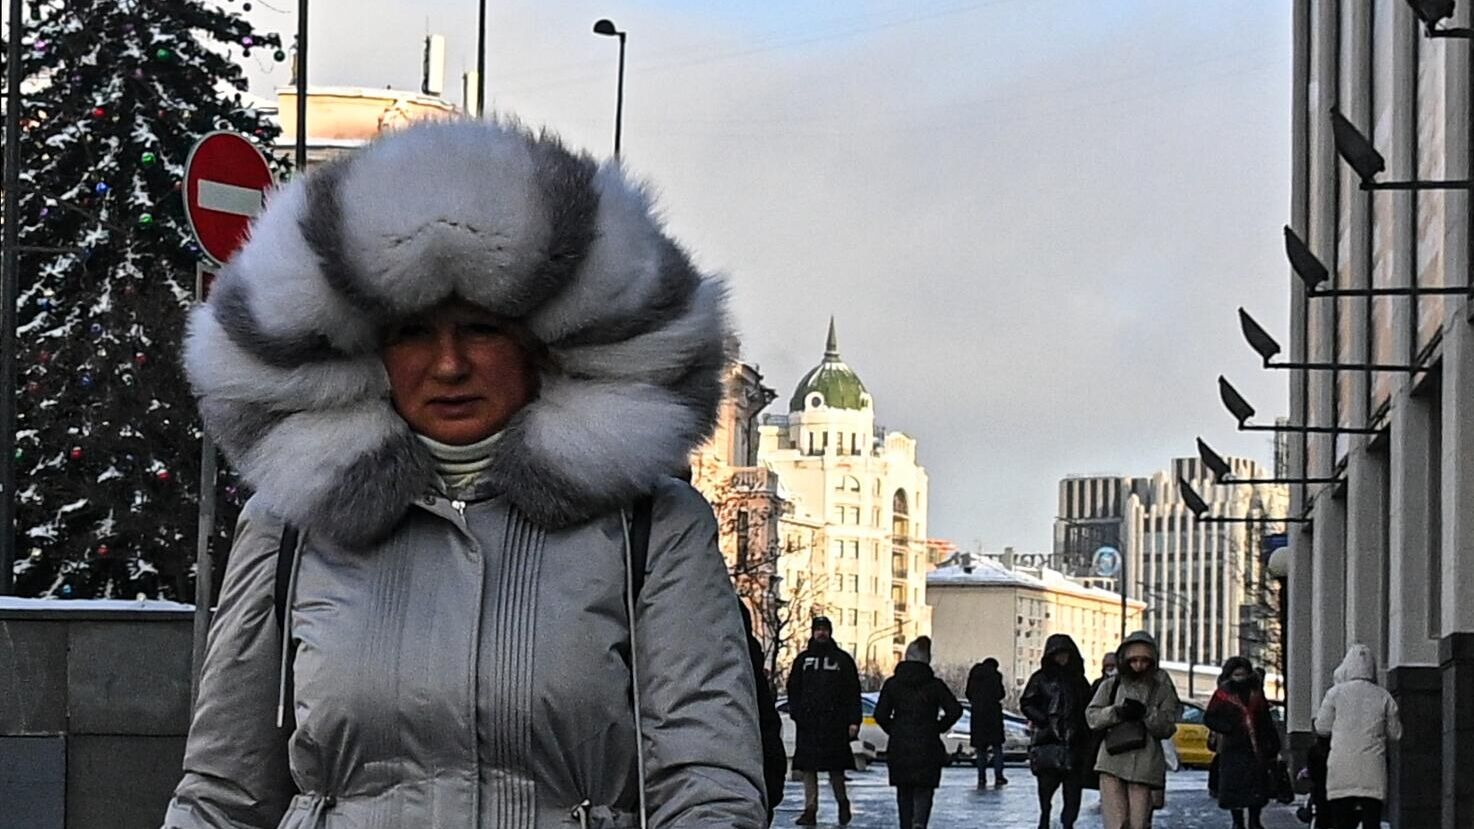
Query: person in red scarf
point(1248, 742)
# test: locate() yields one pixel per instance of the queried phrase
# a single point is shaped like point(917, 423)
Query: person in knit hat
point(915, 708)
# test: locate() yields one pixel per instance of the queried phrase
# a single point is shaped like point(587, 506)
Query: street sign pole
point(225, 182)
point(204, 577)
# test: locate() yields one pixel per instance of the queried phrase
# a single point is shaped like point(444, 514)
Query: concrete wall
point(970, 624)
point(94, 716)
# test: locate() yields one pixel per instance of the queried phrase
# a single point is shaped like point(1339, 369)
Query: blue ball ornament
point(101, 188)
point(86, 381)
point(66, 591)
point(96, 329)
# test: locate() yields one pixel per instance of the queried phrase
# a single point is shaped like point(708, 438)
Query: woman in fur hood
point(454, 362)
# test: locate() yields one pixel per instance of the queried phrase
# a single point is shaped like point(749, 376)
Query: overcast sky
point(1033, 221)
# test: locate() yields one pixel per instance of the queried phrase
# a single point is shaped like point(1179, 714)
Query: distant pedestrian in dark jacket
point(985, 695)
point(1090, 779)
point(824, 701)
point(1054, 702)
point(1248, 742)
point(915, 709)
point(770, 725)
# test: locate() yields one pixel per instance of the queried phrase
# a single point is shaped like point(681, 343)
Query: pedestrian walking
point(458, 368)
point(1054, 702)
point(770, 723)
point(1248, 743)
point(985, 697)
point(1089, 777)
point(1137, 709)
point(1360, 718)
point(915, 709)
point(824, 701)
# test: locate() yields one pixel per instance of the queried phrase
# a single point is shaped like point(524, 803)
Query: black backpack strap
point(286, 560)
point(640, 517)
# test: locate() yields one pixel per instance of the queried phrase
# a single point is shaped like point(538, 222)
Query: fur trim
point(285, 357)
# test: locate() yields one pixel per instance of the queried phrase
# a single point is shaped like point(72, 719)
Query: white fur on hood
point(285, 356)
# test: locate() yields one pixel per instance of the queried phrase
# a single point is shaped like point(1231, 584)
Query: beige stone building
point(863, 495)
point(989, 605)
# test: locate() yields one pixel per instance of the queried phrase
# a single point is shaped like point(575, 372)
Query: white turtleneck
point(460, 465)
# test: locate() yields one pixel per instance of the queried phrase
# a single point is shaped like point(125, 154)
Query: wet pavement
point(958, 804)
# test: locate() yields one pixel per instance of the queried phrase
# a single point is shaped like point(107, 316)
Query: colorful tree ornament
point(148, 159)
point(163, 475)
point(146, 219)
point(102, 551)
point(76, 453)
point(101, 188)
point(99, 113)
point(163, 54)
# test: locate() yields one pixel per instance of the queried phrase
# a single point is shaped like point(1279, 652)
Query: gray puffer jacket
point(456, 670)
point(468, 663)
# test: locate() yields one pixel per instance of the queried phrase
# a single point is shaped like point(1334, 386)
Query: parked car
point(872, 741)
point(865, 751)
point(1191, 738)
point(1016, 734)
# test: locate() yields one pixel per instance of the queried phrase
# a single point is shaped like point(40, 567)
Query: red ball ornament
point(44, 357)
point(163, 475)
point(76, 453)
point(102, 551)
point(33, 388)
point(99, 112)
point(140, 359)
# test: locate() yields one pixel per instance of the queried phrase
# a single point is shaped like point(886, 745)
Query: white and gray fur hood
point(285, 360)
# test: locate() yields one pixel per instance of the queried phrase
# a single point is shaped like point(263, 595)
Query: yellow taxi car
point(1191, 739)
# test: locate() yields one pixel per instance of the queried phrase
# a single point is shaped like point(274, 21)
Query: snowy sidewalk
point(959, 804)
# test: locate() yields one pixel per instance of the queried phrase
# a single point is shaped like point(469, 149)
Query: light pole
point(606, 28)
point(1191, 606)
point(9, 289)
point(481, 61)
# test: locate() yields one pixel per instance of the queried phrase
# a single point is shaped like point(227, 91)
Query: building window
point(742, 539)
point(854, 617)
point(854, 584)
point(855, 550)
point(854, 444)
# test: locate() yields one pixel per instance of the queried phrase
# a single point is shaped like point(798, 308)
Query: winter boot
point(1001, 781)
point(844, 813)
point(808, 818)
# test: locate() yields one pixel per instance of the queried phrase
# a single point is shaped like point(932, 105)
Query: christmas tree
point(108, 441)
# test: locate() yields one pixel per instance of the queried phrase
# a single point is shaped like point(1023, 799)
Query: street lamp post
point(481, 61)
point(9, 289)
point(606, 27)
point(1191, 606)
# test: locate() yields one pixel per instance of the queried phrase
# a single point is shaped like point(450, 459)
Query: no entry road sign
point(225, 182)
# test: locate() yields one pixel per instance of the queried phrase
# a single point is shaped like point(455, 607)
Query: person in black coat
point(915, 709)
point(1054, 701)
point(824, 701)
point(985, 695)
point(1248, 743)
point(770, 725)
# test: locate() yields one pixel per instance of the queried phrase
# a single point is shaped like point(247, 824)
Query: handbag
point(1126, 736)
point(1050, 757)
point(1281, 787)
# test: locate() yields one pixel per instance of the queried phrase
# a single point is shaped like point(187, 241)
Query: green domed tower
point(831, 384)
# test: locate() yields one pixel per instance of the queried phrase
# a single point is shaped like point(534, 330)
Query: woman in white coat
point(1361, 719)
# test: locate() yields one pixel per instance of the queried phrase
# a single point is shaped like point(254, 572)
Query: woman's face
point(1138, 658)
point(1241, 675)
point(455, 374)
